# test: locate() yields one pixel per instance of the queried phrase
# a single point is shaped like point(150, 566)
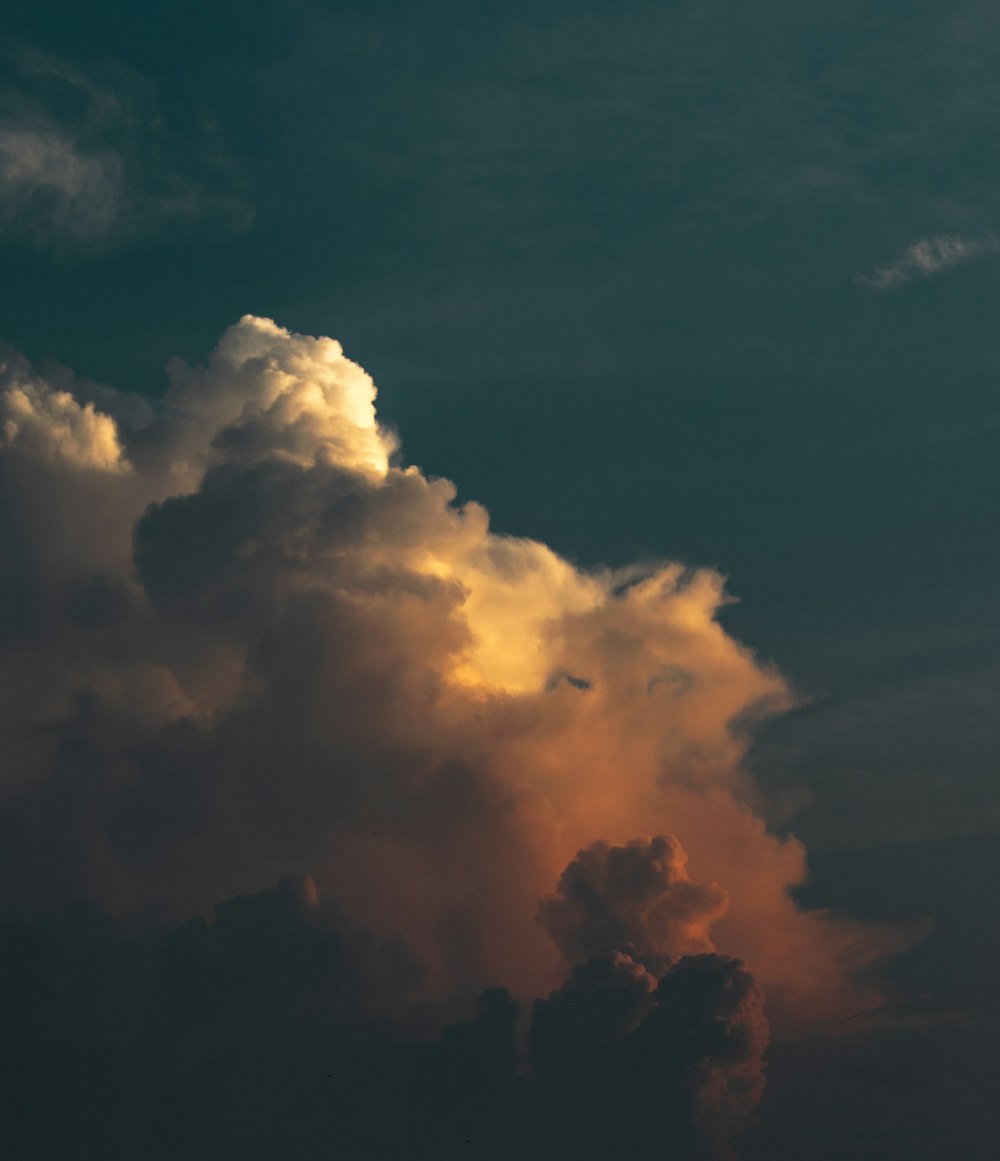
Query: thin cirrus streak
point(926, 257)
point(106, 172)
point(243, 641)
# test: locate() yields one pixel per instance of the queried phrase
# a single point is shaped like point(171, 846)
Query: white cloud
point(52, 424)
point(928, 256)
point(265, 393)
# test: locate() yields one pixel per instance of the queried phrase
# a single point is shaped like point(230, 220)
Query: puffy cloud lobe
point(592, 1010)
point(270, 648)
point(708, 1024)
point(264, 396)
point(649, 1018)
point(636, 899)
point(69, 497)
point(49, 423)
point(649, 1068)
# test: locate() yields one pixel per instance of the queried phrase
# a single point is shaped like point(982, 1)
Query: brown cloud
point(259, 645)
point(636, 899)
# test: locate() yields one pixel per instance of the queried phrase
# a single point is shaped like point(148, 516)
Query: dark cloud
point(265, 1026)
point(612, 1044)
point(279, 1025)
point(602, 1000)
point(636, 899)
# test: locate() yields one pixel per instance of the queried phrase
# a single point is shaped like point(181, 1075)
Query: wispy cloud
point(88, 162)
point(926, 257)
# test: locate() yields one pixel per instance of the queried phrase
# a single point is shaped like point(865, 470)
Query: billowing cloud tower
point(243, 641)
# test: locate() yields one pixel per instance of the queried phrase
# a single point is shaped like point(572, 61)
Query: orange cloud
point(307, 658)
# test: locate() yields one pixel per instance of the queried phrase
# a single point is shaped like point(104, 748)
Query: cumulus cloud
point(51, 423)
point(281, 1025)
point(245, 641)
point(928, 256)
point(107, 169)
point(199, 1040)
point(636, 898)
point(709, 1020)
point(658, 1067)
point(261, 397)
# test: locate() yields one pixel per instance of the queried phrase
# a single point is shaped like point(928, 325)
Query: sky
point(693, 299)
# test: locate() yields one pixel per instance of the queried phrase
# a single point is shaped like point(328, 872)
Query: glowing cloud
point(266, 393)
point(52, 424)
point(281, 652)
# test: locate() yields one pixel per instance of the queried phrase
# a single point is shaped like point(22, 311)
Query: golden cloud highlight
point(281, 651)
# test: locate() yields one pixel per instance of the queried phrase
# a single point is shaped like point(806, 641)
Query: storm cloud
point(244, 641)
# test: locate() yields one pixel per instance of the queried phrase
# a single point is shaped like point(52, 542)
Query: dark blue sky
point(607, 267)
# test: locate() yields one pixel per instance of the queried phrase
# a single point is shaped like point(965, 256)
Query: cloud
point(655, 1066)
point(596, 1006)
point(266, 1024)
point(87, 162)
point(245, 641)
point(322, 664)
point(47, 179)
point(926, 257)
point(636, 898)
point(279, 1023)
point(52, 424)
point(262, 397)
point(709, 1018)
